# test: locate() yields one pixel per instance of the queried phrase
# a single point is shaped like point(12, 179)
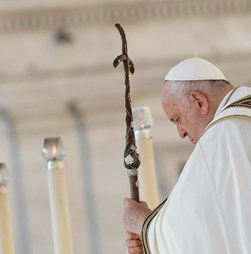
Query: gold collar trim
point(146, 227)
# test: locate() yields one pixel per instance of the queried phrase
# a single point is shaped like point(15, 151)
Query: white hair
point(181, 89)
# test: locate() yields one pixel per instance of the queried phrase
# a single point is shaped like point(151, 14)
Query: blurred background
point(57, 79)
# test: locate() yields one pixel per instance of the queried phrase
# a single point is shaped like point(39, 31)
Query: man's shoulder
point(227, 130)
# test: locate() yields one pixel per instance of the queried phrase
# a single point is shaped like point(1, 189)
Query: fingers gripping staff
point(131, 157)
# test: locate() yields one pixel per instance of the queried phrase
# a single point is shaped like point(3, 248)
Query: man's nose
point(182, 132)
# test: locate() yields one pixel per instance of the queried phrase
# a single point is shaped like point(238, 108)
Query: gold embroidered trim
point(223, 118)
point(146, 227)
point(243, 102)
point(230, 95)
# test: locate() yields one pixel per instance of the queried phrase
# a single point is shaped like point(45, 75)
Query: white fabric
point(209, 209)
point(194, 69)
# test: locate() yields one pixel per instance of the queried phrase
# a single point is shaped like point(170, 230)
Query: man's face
point(186, 116)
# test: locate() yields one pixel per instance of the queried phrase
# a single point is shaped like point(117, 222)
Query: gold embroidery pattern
point(223, 118)
point(232, 92)
point(243, 102)
point(146, 227)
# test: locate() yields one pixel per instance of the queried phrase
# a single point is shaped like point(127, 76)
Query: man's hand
point(134, 215)
point(134, 244)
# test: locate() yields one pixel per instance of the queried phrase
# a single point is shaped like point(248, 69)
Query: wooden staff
point(131, 157)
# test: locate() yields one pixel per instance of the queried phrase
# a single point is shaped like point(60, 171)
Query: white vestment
point(209, 209)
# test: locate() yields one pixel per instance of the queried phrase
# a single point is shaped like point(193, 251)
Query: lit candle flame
point(142, 126)
point(54, 150)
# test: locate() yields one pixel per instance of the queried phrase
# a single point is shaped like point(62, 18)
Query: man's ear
point(200, 101)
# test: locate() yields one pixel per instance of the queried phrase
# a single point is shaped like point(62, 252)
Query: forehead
point(169, 94)
point(171, 106)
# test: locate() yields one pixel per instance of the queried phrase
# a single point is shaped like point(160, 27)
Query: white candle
point(53, 152)
point(147, 175)
point(6, 236)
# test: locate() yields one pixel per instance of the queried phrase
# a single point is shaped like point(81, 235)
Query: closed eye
point(175, 120)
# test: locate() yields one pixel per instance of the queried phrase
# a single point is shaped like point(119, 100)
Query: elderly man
point(209, 209)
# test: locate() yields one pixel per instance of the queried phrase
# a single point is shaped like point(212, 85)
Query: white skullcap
point(194, 69)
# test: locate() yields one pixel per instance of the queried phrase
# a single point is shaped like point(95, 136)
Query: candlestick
point(53, 152)
point(147, 175)
point(6, 236)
